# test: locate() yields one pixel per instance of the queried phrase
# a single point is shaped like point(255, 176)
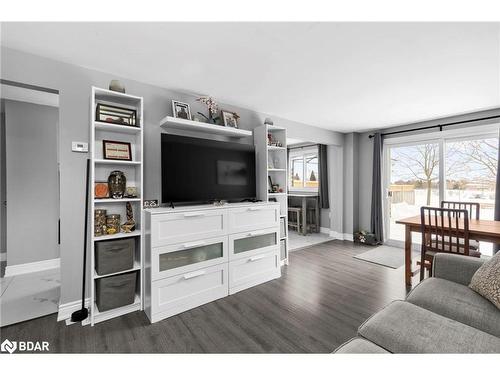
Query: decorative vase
point(116, 183)
point(117, 86)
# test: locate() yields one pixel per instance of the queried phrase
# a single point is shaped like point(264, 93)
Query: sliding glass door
point(413, 182)
point(425, 172)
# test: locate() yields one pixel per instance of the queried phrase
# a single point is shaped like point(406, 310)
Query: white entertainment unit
point(197, 254)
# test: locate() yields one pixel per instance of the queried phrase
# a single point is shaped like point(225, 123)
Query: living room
point(345, 203)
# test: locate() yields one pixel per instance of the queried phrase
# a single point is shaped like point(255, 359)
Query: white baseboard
point(324, 230)
point(3, 257)
point(20, 269)
point(66, 309)
point(341, 236)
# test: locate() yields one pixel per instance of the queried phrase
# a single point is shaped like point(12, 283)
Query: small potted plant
point(212, 107)
point(365, 238)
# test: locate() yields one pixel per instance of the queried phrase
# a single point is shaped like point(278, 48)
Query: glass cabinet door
point(193, 255)
point(256, 242)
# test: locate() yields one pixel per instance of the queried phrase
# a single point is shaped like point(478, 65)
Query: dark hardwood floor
point(318, 303)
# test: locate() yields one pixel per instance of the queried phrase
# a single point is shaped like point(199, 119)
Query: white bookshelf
point(272, 162)
point(134, 172)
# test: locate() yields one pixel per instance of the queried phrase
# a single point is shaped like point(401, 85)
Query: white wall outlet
point(79, 147)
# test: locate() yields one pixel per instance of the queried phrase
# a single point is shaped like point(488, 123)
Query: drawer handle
point(194, 274)
point(257, 257)
point(254, 208)
point(252, 234)
point(193, 244)
point(194, 214)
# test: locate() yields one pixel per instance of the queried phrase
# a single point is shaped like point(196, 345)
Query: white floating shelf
point(117, 162)
point(137, 266)
point(170, 122)
point(116, 128)
point(135, 233)
point(111, 200)
point(276, 194)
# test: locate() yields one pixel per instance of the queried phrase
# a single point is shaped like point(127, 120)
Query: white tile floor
point(29, 296)
point(297, 241)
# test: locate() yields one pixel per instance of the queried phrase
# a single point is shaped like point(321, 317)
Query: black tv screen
point(200, 170)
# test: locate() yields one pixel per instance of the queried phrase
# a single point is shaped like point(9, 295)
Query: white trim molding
point(21, 269)
point(324, 230)
point(66, 309)
point(342, 236)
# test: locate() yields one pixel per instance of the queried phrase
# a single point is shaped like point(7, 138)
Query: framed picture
point(115, 150)
point(230, 119)
point(101, 190)
point(181, 110)
point(116, 115)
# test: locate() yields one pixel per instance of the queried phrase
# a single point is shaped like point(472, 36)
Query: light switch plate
point(79, 147)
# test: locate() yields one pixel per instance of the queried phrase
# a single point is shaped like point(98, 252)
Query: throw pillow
point(486, 280)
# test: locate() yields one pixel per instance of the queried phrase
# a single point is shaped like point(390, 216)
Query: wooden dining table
point(479, 230)
point(304, 197)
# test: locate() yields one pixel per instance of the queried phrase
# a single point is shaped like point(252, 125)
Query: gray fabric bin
point(114, 256)
point(115, 291)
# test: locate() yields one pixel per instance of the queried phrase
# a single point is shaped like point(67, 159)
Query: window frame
point(302, 152)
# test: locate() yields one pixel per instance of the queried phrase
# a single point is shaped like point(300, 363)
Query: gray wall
point(73, 84)
point(32, 182)
point(351, 183)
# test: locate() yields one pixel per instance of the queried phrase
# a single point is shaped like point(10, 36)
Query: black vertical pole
point(82, 314)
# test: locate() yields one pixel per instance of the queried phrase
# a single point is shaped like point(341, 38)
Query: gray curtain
point(496, 247)
point(377, 221)
point(323, 177)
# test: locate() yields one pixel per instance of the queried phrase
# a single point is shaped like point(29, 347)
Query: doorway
point(30, 272)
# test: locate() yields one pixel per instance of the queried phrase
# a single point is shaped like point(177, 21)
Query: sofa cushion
point(402, 327)
point(486, 280)
point(457, 302)
point(358, 345)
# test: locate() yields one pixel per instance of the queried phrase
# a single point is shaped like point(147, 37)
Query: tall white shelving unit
point(100, 170)
point(272, 164)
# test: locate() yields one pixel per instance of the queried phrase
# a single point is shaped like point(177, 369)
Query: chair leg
point(422, 265)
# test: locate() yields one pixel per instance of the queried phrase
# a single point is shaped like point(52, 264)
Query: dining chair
point(473, 209)
point(294, 218)
point(441, 233)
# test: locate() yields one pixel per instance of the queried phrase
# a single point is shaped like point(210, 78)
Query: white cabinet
point(251, 218)
point(253, 270)
point(187, 226)
point(179, 293)
point(199, 254)
point(242, 245)
point(188, 256)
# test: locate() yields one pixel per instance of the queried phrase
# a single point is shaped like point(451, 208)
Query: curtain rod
point(440, 126)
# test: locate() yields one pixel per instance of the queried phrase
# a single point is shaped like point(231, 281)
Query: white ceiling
point(340, 76)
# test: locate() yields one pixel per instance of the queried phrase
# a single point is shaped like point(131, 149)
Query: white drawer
point(243, 245)
point(247, 272)
point(183, 292)
point(185, 257)
point(187, 226)
point(253, 217)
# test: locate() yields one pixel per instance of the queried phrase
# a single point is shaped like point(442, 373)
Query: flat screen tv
point(197, 170)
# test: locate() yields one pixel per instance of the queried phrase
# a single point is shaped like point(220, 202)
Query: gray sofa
point(440, 315)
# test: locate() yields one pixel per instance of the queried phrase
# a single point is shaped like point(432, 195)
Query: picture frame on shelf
point(230, 119)
point(181, 110)
point(101, 189)
point(116, 115)
point(116, 150)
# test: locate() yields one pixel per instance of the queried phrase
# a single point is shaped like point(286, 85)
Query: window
point(304, 174)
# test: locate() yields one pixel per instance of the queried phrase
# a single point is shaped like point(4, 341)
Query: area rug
point(387, 256)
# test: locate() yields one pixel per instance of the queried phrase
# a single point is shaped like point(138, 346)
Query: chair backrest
point(472, 207)
point(444, 230)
